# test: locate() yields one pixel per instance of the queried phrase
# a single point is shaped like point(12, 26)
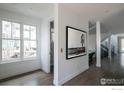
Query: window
point(10, 40)
point(29, 41)
point(14, 46)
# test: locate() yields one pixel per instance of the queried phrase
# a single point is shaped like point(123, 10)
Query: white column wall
point(98, 44)
point(65, 70)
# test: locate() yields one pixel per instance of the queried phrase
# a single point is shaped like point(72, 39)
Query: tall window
point(10, 40)
point(29, 41)
point(14, 46)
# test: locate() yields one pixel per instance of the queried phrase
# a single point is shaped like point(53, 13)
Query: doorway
point(51, 46)
point(121, 45)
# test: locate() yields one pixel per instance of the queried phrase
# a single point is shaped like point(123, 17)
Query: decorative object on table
point(76, 42)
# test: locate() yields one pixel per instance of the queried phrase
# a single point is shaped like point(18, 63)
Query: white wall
point(92, 42)
point(15, 68)
point(98, 44)
point(114, 41)
point(45, 45)
point(67, 69)
point(10, 69)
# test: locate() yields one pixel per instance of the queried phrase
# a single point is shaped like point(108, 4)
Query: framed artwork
point(76, 41)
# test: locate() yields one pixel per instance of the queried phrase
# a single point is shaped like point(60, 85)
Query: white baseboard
point(73, 75)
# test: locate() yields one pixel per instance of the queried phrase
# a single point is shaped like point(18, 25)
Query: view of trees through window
point(12, 41)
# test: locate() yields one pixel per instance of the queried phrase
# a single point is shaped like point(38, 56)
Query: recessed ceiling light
point(106, 11)
point(30, 8)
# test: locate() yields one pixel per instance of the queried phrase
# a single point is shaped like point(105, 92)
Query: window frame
point(0, 40)
point(5, 61)
point(27, 58)
point(22, 58)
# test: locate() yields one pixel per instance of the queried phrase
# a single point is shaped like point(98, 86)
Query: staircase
point(104, 37)
point(104, 51)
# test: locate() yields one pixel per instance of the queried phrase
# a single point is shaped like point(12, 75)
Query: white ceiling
point(111, 14)
point(38, 10)
point(94, 11)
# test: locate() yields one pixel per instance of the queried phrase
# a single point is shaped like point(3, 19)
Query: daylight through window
point(14, 46)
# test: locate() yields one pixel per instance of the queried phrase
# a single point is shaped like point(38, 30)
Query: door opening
point(51, 46)
point(121, 44)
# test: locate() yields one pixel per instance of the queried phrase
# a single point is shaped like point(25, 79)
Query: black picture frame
point(82, 49)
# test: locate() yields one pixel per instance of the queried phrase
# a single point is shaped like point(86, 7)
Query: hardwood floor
point(89, 77)
point(111, 69)
point(37, 78)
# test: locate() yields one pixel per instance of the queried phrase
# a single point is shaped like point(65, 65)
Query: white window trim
point(26, 58)
point(21, 42)
point(0, 41)
point(22, 58)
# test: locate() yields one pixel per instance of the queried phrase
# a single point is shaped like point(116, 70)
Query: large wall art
point(76, 41)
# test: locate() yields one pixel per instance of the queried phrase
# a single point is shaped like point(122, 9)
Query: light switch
point(61, 50)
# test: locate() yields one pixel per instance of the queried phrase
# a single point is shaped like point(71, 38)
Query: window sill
point(19, 60)
point(29, 59)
